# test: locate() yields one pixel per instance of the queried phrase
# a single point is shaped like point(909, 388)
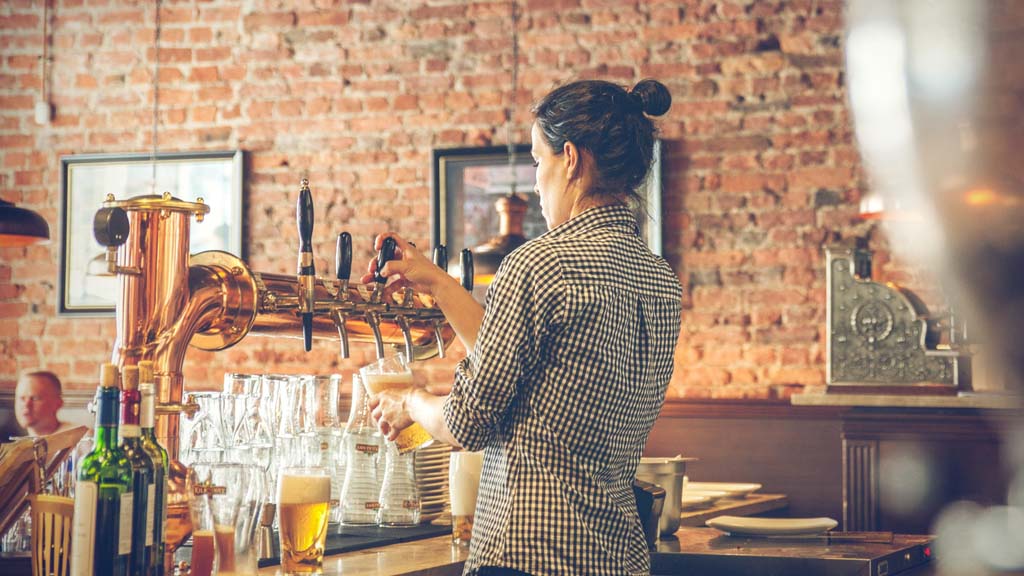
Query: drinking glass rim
point(380, 362)
point(321, 376)
point(300, 471)
point(223, 465)
point(279, 376)
point(205, 393)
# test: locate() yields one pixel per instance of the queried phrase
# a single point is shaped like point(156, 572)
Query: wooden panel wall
point(791, 450)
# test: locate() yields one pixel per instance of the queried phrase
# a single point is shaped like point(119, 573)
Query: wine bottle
point(143, 489)
point(102, 527)
point(147, 419)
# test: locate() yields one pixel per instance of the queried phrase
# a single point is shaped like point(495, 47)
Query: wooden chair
point(51, 535)
point(26, 465)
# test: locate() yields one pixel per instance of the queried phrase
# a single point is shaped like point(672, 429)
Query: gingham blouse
point(567, 376)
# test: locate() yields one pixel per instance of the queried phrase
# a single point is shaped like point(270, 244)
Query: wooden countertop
point(690, 550)
point(963, 400)
point(439, 557)
point(429, 557)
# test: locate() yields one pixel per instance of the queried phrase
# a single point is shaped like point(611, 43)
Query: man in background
point(37, 399)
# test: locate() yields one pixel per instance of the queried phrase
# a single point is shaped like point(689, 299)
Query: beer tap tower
point(169, 299)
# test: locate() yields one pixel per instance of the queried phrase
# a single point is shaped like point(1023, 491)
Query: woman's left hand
point(388, 409)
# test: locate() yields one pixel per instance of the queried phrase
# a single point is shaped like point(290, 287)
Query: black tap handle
point(110, 226)
point(466, 264)
point(304, 217)
point(387, 253)
point(307, 270)
point(441, 257)
point(343, 256)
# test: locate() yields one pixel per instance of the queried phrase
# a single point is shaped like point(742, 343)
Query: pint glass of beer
point(463, 483)
point(394, 374)
point(303, 506)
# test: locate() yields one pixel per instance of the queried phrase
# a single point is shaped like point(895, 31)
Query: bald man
point(36, 401)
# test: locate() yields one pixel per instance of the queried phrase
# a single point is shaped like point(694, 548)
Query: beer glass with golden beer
point(463, 484)
point(394, 374)
point(303, 507)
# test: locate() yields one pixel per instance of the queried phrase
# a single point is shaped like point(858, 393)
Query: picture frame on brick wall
point(468, 181)
point(85, 287)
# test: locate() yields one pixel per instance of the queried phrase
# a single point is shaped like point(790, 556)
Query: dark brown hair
point(610, 123)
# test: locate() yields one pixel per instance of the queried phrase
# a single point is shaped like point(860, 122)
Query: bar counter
point(430, 557)
point(438, 557)
point(689, 551)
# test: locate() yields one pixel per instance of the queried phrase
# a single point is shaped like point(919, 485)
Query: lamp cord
point(512, 103)
point(42, 67)
point(156, 89)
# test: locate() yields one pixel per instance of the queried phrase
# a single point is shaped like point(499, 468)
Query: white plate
point(733, 489)
point(695, 501)
point(747, 526)
point(711, 495)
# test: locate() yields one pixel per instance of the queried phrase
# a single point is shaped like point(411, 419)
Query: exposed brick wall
point(760, 167)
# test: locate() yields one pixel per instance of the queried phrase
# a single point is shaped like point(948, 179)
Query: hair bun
point(654, 95)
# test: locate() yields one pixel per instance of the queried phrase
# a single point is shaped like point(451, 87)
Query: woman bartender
point(569, 362)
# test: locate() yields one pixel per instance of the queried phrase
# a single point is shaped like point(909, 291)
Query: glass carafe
point(399, 493)
point(363, 451)
point(324, 444)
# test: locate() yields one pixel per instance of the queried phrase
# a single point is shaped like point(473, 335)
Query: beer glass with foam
point(463, 484)
point(394, 374)
point(303, 507)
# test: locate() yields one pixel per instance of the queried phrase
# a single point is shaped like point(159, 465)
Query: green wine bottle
point(160, 463)
point(102, 528)
point(143, 488)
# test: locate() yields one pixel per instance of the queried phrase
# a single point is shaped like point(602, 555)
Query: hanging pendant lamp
point(21, 226)
point(487, 257)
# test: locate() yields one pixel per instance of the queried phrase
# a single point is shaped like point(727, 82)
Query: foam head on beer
point(304, 488)
point(387, 374)
point(393, 373)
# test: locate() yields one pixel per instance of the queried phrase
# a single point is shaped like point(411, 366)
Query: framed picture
point(468, 181)
point(85, 287)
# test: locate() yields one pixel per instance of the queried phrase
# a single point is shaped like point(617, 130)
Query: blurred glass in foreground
point(937, 92)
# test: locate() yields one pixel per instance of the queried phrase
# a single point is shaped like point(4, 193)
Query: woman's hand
point(389, 411)
point(413, 269)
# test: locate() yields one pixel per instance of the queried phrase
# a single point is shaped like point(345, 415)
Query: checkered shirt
point(567, 376)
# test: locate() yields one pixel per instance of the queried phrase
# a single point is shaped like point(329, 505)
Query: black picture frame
point(85, 179)
point(463, 215)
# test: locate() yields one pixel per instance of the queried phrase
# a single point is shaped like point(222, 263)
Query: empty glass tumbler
point(204, 439)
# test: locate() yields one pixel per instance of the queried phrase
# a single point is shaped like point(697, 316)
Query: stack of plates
point(726, 489)
point(432, 476)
